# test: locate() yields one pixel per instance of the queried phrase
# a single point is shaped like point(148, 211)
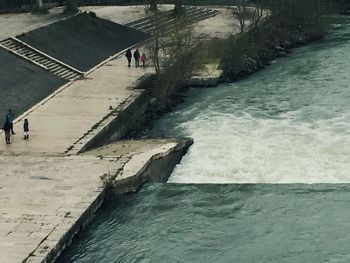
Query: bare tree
point(240, 12)
point(178, 7)
point(255, 18)
point(174, 56)
point(152, 5)
point(71, 6)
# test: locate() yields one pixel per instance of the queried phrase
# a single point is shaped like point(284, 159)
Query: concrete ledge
point(151, 166)
point(55, 243)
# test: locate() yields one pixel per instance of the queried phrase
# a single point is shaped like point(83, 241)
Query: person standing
point(7, 130)
point(26, 129)
point(137, 58)
point(143, 60)
point(128, 56)
point(10, 117)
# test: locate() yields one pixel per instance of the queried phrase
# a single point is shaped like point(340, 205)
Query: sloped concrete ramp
point(83, 41)
point(23, 84)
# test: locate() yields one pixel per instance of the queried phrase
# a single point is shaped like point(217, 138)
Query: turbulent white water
point(289, 123)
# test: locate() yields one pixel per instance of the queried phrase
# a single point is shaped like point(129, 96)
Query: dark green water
point(227, 223)
point(289, 123)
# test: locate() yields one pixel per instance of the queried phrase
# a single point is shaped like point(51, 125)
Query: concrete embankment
point(56, 197)
point(60, 181)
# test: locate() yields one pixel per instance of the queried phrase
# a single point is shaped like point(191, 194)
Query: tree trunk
point(153, 5)
point(39, 3)
point(178, 9)
point(72, 6)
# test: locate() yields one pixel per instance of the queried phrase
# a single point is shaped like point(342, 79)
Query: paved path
point(40, 199)
point(65, 118)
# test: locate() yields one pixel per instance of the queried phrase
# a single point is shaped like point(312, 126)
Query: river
point(258, 184)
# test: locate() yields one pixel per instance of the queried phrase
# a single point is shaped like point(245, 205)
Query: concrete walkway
point(41, 198)
point(45, 200)
point(64, 118)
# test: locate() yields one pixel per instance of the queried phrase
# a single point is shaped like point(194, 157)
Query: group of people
point(137, 58)
point(8, 127)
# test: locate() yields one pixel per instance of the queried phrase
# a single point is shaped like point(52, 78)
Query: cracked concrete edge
point(157, 168)
point(50, 248)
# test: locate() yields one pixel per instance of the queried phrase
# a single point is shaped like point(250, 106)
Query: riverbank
point(43, 207)
point(213, 75)
point(274, 49)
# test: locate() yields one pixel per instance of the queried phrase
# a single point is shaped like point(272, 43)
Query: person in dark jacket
point(7, 130)
point(137, 58)
point(10, 117)
point(26, 129)
point(128, 56)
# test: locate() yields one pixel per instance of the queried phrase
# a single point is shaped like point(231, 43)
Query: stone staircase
point(167, 20)
point(41, 59)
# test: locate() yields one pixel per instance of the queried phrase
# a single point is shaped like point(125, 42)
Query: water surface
point(289, 123)
point(227, 223)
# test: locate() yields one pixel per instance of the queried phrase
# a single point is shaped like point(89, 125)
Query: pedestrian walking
point(137, 58)
point(10, 117)
point(26, 129)
point(7, 130)
point(143, 60)
point(128, 56)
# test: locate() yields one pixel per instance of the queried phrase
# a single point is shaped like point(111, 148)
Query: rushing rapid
point(289, 123)
point(228, 201)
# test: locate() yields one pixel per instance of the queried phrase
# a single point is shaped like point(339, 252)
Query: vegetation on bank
point(267, 28)
point(174, 56)
point(270, 28)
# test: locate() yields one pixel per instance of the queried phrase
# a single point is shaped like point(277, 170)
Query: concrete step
point(151, 22)
point(148, 22)
point(59, 71)
point(66, 74)
point(71, 75)
point(167, 21)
